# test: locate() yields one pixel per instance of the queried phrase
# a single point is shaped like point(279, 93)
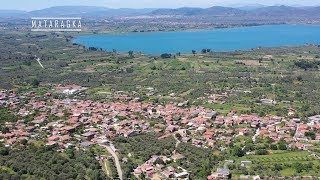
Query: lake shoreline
point(177, 40)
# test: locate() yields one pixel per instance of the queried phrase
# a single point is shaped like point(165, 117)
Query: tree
point(154, 68)
point(129, 70)
point(299, 167)
point(261, 152)
point(70, 153)
point(310, 134)
point(203, 51)
point(166, 55)
point(47, 163)
point(35, 83)
point(303, 64)
point(131, 54)
point(299, 78)
point(273, 147)
point(248, 147)
point(158, 161)
point(277, 167)
point(282, 146)
point(93, 49)
point(178, 136)
point(5, 130)
point(4, 151)
point(237, 151)
point(24, 141)
point(194, 52)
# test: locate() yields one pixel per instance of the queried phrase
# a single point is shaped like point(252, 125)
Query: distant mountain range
point(12, 13)
point(254, 11)
point(91, 11)
point(88, 11)
point(215, 11)
point(247, 7)
point(82, 11)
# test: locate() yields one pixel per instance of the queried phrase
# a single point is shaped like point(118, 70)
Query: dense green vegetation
point(47, 163)
point(141, 148)
point(307, 64)
point(198, 160)
point(6, 116)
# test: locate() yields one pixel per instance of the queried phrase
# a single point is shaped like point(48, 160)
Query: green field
point(286, 162)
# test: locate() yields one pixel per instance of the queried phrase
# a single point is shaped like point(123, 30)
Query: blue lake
point(217, 40)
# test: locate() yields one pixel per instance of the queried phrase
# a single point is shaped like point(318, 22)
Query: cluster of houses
point(99, 121)
point(79, 123)
point(8, 98)
point(157, 168)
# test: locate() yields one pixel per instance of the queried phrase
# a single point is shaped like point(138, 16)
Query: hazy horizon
point(31, 5)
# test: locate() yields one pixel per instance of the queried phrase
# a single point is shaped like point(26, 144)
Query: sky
point(29, 5)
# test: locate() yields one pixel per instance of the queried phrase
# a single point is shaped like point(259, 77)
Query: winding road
point(256, 135)
point(177, 144)
point(116, 160)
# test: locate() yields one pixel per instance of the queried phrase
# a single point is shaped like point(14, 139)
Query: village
point(83, 123)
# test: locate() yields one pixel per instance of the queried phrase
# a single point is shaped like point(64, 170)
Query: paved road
point(116, 160)
point(38, 60)
point(256, 135)
point(177, 144)
point(296, 133)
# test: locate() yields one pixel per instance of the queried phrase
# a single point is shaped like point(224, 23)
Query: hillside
point(227, 11)
point(92, 11)
point(88, 11)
